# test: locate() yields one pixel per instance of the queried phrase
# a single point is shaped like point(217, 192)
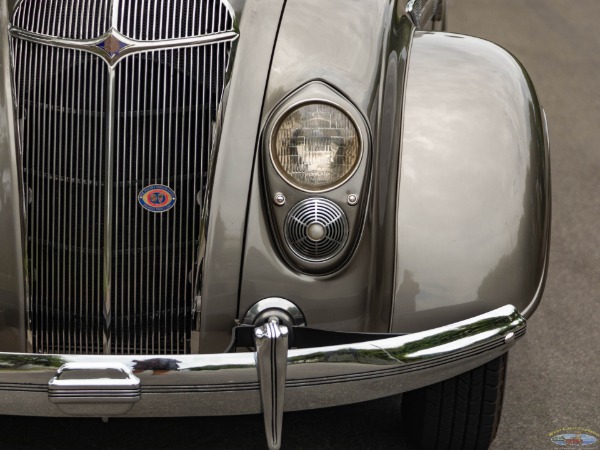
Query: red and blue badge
point(157, 198)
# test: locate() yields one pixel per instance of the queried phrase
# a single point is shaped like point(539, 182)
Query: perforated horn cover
point(316, 229)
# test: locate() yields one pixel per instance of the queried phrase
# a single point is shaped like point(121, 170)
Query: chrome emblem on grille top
point(157, 198)
point(112, 45)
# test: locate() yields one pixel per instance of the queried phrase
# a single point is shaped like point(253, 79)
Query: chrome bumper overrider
point(270, 380)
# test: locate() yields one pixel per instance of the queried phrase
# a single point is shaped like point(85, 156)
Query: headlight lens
point(316, 146)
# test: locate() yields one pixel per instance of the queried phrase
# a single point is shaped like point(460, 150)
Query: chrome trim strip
point(316, 377)
point(91, 45)
point(12, 220)
point(405, 84)
point(108, 222)
point(537, 298)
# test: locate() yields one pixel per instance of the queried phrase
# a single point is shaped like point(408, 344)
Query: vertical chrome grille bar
point(60, 174)
point(81, 163)
point(133, 211)
point(114, 189)
point(97, 222)
point(142, 216)
point(160, 166)
point(27, 13)
point(68, 204)
point(108, 220)
point(87, 18)
point(151, 248)
point(69, 22)
point(172, 173)
point(165, 179)
point(54, 125)
point(130, 330)
point(37, 202)
point(125, 179)
point(82, 5)
point(43, 286)
point(91, 170)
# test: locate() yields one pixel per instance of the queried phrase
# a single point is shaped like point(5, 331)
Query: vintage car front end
point(214, 207)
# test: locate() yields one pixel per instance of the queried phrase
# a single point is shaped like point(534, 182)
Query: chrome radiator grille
point(104, 274)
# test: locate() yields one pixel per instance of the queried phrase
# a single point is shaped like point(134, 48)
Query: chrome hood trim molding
point(374, 369)
point(129, 46)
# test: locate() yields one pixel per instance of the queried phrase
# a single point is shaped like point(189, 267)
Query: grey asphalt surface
point(554, 379)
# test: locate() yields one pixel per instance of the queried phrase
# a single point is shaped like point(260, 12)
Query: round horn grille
point(316, 229)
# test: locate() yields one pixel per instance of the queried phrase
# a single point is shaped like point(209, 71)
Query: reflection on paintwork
point(336, 41)
point(473, 207)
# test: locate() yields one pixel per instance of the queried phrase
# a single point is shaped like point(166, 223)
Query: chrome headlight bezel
point(279, 120)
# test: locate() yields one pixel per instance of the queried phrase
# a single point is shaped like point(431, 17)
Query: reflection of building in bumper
point(229, 383)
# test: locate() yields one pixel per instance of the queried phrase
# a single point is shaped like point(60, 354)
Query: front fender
point(473, 219)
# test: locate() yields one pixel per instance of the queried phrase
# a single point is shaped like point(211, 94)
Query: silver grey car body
point(448, 228)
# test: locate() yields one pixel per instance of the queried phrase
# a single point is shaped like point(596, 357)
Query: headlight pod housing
point(315, 146)
point(315, 160)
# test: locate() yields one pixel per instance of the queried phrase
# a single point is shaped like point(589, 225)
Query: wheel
point(461, 413)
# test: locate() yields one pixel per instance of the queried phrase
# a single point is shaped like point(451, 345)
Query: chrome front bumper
point(229, 383)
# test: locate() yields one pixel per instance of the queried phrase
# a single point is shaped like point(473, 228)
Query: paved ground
point(554, 373)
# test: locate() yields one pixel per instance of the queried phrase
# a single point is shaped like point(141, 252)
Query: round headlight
point(316, 147)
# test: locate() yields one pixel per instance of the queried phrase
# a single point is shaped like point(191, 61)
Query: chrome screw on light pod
point(279, 199)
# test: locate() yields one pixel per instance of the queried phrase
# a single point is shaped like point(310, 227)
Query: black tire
point(461, 413)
